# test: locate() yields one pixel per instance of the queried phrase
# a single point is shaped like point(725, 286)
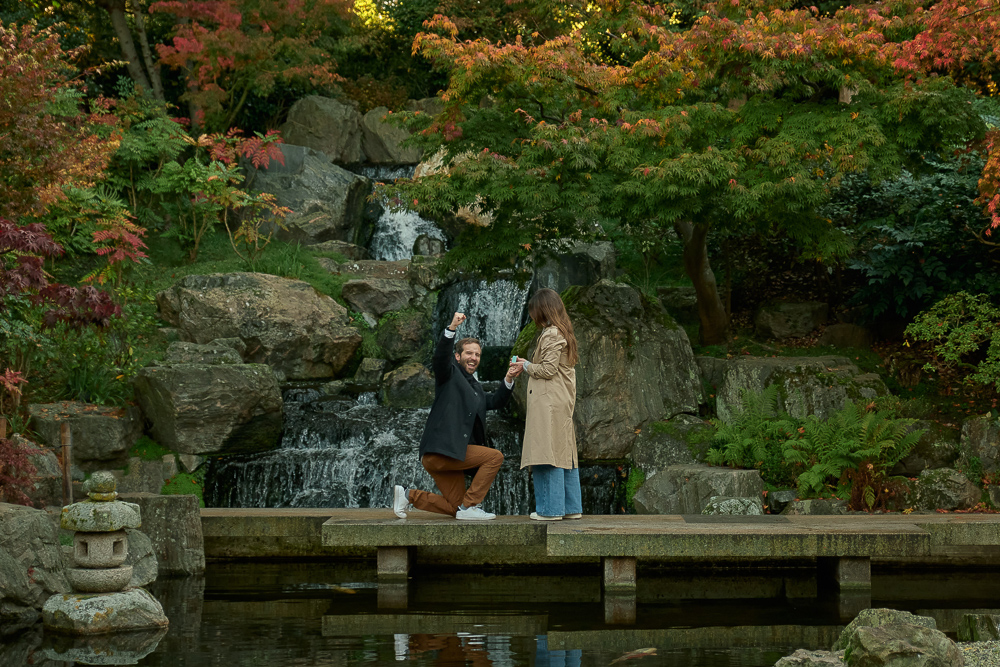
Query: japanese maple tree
point(47, 141)
point(230, 48)
point(962, 39)
point(746, 120)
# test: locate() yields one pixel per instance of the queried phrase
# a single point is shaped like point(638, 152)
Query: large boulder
point(404, 334)
point(687, 489)
point(878, 617)
point(377, 296)
point(937, 448)
point(682, 440)
point(806, 385)
point(220, 351)
point(141, 558)
point(409, 386)
point(790, 320)
point(211, 409)
point(173, 525)
point(286, 324)
point(943, 488)
point(101, 435)
point(327, 202)
point(31, 565)
point(979, 628)
point(380, 141)
point(981, 440)
point(636, 366)
point(804, 658)
point(132, 609)
point(144, 475)
point(325, 125)
point(564, 262)
point(903, 645)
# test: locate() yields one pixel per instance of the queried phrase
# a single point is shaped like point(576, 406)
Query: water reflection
point(318, 613)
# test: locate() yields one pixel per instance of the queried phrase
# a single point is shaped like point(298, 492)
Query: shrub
point(851, 452)
point(959, 328)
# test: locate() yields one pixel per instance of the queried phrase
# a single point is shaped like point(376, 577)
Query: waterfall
point(349, 453)
point(396, 231)
point(495, 310)
point(343, 453)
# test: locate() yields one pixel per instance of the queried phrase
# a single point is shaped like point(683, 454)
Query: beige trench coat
point(549, 436)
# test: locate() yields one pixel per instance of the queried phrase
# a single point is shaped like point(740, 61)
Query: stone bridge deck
point(844, 546)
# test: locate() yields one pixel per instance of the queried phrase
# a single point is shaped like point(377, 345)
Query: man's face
point(468, 358)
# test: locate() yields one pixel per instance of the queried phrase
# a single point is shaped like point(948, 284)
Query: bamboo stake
point(67, 457)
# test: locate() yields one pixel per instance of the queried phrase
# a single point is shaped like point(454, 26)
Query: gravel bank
point(981, 654)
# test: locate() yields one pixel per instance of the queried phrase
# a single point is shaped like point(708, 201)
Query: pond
point(316, 613)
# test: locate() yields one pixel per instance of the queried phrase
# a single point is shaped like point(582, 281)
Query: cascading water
point(342, 453)
point(396, 231)
point(495, 310)
point(349, 453)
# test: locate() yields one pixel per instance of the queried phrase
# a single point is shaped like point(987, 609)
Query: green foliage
point(753, 437)
point(913, 234)
point(150, 140)
point(98, 365)
point(148, 449)
point(850, 452)
point(974, 470)
point(187, 483)
point(958, 328)
point(851, 439)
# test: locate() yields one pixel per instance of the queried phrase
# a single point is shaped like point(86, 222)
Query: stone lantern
point(102, 601)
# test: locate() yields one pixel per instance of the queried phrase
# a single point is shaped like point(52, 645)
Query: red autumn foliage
point(42, 149)
point(23, 251)
point(229, 48)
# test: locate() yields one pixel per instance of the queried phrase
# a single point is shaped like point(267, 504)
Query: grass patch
point(187, 483)
point(636, 478)
point(148, 449)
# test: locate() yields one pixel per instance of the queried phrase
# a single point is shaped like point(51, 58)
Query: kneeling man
point(455, 439)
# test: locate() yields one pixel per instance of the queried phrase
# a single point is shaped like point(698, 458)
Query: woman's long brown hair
point(546, 309)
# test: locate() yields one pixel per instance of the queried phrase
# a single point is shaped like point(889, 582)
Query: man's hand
point(514, 370)
point(456, 320)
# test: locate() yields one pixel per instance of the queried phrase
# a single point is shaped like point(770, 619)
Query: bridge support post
point(849, 574)
point(619, 574)
point(393, 563)
point(393, 594)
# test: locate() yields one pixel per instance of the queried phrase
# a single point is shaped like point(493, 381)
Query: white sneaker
point(474, 513)
point(573, 516)
point(399, 502)
point(541, 517)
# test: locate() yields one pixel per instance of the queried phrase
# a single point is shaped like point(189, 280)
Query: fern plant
point(753, 436)
point(854, 447)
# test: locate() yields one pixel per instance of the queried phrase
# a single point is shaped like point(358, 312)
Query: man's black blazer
point(458, 416)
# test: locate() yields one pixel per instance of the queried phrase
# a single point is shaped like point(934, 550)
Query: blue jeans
point(557, 490)
point(546, 658)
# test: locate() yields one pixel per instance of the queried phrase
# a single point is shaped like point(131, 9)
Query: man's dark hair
point(460, 344)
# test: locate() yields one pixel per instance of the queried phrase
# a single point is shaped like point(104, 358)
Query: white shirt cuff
point(510, 385)
point(448, 333)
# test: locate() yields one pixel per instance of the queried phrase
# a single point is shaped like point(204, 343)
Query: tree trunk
point(714, 321)
point(116, 9)
point(138, 11)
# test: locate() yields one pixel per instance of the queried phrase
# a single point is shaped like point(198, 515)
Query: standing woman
point(549, 437)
